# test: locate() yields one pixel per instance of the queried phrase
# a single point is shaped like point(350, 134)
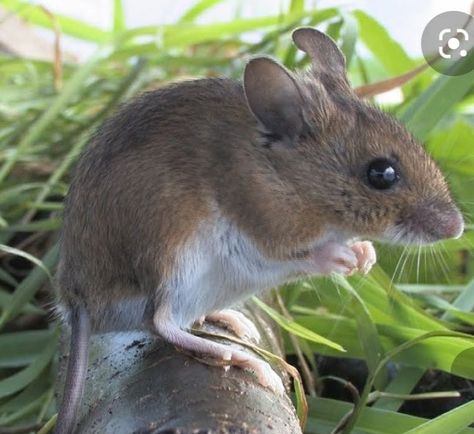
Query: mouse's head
point(357, 170)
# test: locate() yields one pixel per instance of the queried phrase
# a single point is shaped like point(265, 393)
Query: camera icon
point(447, 43)
point(453, 43)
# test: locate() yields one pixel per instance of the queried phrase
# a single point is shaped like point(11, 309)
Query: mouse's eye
point(382, 174)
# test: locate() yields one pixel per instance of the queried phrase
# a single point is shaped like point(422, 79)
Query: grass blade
point(385, 49)
point(70, 89)
point(69, 26)
point(197, 10)
point(21, 379)
point(451, 422)
point(26, 290)
point(27, 256)
point(428, 108)
point(119, 17)
point(295, 328)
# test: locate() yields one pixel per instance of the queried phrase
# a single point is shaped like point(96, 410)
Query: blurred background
point(65, 66)
point(404, 19)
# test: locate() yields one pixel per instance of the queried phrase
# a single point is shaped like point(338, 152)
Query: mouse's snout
point(454, 225)
point(436, 222)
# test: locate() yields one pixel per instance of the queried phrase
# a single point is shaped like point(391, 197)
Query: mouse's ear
point(274, 98)
point(323, 51)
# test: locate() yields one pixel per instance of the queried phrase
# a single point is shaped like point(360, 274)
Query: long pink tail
point(76, 371)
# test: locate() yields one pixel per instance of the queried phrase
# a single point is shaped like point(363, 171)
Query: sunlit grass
point(414, 293)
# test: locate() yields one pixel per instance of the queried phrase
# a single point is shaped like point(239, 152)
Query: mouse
point(195, 196)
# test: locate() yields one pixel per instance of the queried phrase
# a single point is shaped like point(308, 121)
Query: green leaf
point(21, 379)
point(31, 393)
point(26, 290)
point(349, 33)
point(49, 224)
point(119, 17)
point(445, 353)
point(7, 278)
point(6, 299)
point(26, 255)
point(197, 10)
point(70, 89)
point(440, 303)
point(69, 26)
point(296, 6)
point(21, 348)
point(389, 52)
point(185, 34)
point(464, 301)
point(429, 107)
point(27, 409)
point(367, 331)
point(326, 413)
point(295, 328)
point(452, 145)
point(403, 383)
point(453, 421)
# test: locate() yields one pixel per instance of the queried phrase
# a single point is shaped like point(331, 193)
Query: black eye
point(382, 174)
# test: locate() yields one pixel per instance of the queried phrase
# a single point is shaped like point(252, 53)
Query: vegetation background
point(406, 329)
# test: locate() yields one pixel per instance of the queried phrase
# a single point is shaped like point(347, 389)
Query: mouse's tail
point(76, 371)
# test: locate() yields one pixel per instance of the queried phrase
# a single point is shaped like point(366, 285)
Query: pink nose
point(453, 224)
point(435, 221)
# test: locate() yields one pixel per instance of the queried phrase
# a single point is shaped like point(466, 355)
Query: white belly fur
point(220, 268)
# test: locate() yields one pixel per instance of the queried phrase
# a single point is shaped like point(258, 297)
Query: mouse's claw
point(237, 322)
point(366, 255)
point(266, 376)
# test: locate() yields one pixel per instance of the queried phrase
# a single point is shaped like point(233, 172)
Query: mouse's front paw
point(334, 258)
point(366, 256)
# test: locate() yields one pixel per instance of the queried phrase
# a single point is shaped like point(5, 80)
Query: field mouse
point(195, 196)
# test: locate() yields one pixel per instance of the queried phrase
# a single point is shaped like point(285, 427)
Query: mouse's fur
point(186, 201)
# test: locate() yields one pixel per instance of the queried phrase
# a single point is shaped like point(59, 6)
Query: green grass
point(415, 309)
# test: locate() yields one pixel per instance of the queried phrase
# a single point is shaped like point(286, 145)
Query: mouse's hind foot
point(182, 339)
point(266, 376)
point(237, 322)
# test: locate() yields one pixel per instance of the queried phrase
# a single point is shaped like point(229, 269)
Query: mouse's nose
point(436, 221)
point(453, 224)
point(444, 221)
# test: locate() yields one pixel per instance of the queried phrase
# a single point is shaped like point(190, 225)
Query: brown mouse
point(195, 196)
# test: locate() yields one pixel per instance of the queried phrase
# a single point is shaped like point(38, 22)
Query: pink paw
point(266, 376)
point(236, 322)
point(366, 256)
point(334, 258)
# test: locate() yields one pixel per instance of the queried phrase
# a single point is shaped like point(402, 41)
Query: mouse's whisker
point(418, 259)
point(434, 260)
point(427, 261)
point(400, 259)
point(403, 265)
point(443, 252)
point(411, 262)
point(399, 264)
point(315, 290)
point(440, 262)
